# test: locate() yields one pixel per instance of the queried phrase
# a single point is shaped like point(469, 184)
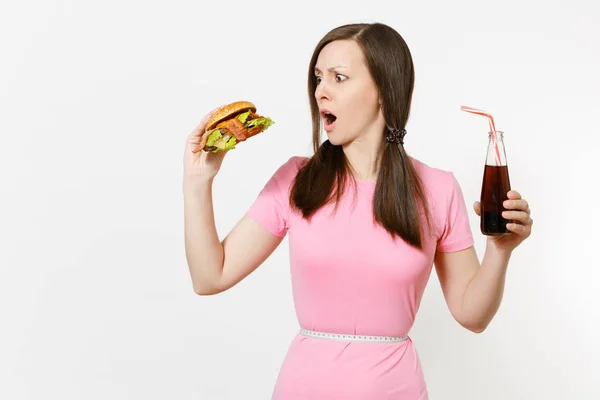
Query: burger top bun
point(228, 111)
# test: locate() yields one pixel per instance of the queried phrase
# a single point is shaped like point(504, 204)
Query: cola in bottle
point(495, 186)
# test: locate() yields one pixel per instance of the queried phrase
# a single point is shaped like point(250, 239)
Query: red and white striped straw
point(492, 127)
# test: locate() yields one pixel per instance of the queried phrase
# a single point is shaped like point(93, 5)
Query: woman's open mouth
point(328, 120)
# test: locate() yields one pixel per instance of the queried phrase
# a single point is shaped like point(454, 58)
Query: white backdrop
point(96, 100)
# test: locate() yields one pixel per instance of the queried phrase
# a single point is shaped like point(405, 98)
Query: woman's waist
point(359, 355)
point(347, 336)
point(355, 326)
point(352, 319)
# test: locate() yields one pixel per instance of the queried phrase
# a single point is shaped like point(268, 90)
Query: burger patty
point(235, 127)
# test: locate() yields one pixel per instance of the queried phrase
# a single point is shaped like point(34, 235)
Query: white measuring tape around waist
point(352, 338)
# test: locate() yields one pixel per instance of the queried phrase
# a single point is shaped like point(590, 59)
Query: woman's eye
point(338, 78)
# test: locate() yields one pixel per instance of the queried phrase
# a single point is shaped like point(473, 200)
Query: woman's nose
point(322, 92)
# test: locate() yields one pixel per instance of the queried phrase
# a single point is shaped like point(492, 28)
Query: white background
point(96, 100)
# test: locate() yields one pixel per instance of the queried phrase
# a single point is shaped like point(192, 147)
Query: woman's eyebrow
point(332, 68)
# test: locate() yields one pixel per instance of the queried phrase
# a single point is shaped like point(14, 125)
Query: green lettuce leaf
point(264, 121)
point(230, 145)
point(243, 117)
point(218, 142)
point(213, 137)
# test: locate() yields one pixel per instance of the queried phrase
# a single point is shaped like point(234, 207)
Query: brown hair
point(399, 195)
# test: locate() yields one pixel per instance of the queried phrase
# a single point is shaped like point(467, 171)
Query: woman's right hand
point(202, 166)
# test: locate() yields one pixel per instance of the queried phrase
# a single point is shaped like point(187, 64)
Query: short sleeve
point(271, 207)
point(456, 234)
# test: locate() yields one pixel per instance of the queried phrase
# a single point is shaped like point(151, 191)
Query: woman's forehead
point(339, 54)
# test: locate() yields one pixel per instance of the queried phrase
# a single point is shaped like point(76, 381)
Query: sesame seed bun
point(228, 111)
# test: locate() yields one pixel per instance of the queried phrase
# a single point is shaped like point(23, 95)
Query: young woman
point(366, 223)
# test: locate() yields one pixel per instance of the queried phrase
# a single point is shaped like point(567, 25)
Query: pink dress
point(350, 277)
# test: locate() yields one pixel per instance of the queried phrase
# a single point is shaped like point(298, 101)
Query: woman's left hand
point(517, 210)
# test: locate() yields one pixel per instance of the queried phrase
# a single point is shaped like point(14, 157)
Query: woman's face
point(346, 90)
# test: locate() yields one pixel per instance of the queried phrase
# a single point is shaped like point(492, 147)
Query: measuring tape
point(352, 338)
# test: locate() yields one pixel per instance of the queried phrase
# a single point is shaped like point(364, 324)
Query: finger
point(197, 149)
point(520, 204)
point(477, 208)
point(518, 216)
point(522, 230)
point(513, 195)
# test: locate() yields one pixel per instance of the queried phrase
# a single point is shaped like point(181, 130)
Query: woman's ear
point(380, 116)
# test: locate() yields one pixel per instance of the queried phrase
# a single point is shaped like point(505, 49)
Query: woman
point(366, 224)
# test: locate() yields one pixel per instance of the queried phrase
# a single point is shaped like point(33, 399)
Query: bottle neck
point(496, 155)
point(499, 136)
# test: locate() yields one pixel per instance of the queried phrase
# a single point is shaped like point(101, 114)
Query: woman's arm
point(474, 291)
point(216, 266)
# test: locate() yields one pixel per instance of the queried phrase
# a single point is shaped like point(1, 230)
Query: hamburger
point(230, 125)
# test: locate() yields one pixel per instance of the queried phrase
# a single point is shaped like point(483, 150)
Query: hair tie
point(396, 136)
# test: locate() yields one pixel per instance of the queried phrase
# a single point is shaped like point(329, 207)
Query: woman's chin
point(338, 140)
point(334, 139)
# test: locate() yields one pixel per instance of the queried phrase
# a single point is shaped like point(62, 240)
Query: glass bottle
point(495, 186)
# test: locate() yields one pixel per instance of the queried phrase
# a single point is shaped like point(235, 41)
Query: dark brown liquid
point(496, 184)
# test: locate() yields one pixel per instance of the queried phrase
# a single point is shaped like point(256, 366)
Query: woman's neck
point(364, 159)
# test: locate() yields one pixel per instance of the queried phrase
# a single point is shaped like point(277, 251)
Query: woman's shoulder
point(287, 170)
point(439, 182)
point(297, 161)
point(292, 165)
point(431, 173)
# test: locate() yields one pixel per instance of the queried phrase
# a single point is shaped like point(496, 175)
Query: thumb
point(477, 208)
